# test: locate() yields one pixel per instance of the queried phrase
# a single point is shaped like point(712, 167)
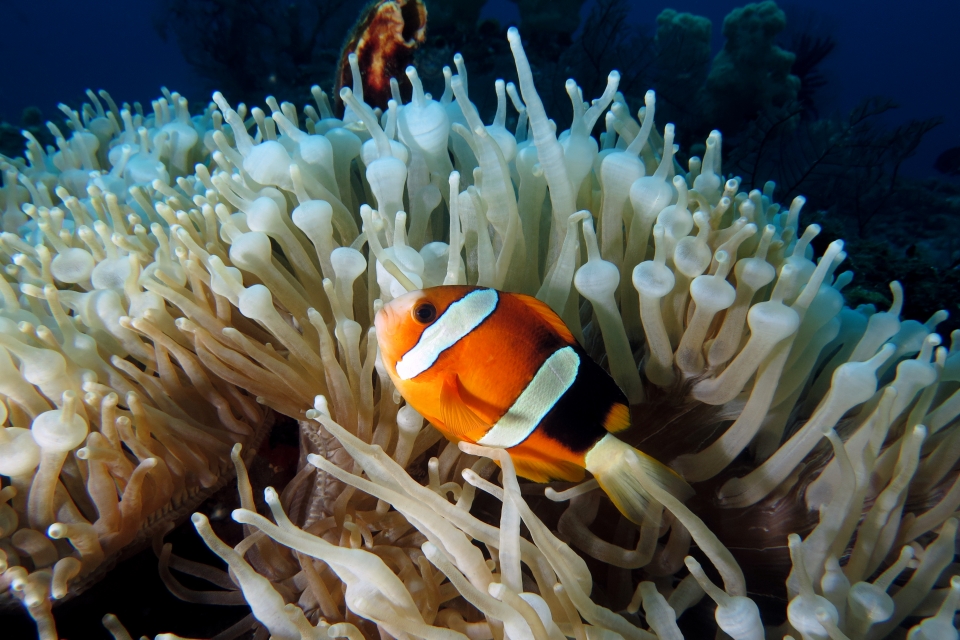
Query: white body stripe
point(460, 318)
point(551, 381)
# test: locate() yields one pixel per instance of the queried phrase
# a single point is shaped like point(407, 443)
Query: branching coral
point(260, 277)
point(805, 157)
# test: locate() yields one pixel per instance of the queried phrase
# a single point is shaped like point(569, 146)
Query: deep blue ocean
point(52, 50)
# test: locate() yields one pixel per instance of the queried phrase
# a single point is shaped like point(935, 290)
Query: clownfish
point(502, 370)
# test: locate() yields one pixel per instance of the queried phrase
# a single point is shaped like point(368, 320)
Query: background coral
point(297, 44)
point(12, 141)
point(751, 73)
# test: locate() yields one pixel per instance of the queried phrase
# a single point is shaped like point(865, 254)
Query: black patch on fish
point(576, 420)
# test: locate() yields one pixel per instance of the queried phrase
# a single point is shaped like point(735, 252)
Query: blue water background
point(52, 50)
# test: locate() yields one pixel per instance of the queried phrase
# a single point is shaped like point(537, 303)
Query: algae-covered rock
point(445, 15)
point(750, 73)
point(683, 44)
point(540, 18)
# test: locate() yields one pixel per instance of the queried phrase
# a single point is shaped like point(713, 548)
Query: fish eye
point(425, 312)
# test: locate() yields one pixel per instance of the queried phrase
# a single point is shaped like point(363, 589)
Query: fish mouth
point(394, 313)
point(382, 321)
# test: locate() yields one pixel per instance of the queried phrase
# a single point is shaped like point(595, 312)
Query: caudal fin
point(624, 473)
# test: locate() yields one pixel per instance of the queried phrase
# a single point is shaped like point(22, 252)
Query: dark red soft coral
point(384, 39)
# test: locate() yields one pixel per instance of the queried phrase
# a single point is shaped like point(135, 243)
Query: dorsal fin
point(548, 316)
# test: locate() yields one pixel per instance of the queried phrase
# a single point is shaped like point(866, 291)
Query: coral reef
point(809, 50)
point(750, 73)
point(851, 170)
point(13, 143)
point(948, 162)
point(852, 165)
point(250, 50)
point(546, 20)
point(683, 44)
point(142, 364)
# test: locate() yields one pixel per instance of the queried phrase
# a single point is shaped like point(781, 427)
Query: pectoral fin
point(460, 422)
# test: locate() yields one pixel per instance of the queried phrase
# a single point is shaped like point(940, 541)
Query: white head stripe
point(460, 318)
point(551, 381)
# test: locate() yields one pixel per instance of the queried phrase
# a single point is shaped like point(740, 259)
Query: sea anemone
point(789, 413)
point(107, 437)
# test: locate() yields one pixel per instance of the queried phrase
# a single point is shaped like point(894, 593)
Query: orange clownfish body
point(502, 370)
